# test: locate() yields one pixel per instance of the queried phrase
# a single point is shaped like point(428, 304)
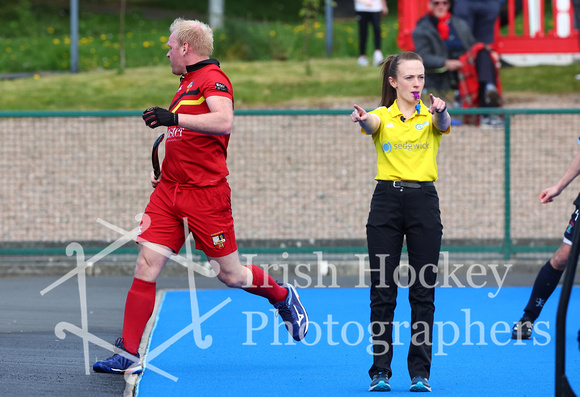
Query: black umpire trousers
point(396, 213)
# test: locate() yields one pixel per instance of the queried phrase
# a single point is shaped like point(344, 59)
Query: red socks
point(141, 302)
point(138, 308)
point(266, 286)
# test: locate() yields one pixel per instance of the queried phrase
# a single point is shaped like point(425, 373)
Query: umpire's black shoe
point(523, 329)
point(420, 384)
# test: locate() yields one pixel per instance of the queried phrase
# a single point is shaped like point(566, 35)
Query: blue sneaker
point(293, 313)
point(420, 384)
point(119, 363)
point(380, 383)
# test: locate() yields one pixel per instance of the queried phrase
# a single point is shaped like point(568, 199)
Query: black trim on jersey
point(201, 64)
point(194, 92)
point(193, 68)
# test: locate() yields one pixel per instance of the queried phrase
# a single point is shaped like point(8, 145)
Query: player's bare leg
point(560, 257)
point(230, 271)
point(254, 280)
point(151, 261)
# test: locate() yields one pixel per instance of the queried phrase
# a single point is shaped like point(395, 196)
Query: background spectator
point(576, 5)
point(480, 15)
point(441, 39)
point(370, 11)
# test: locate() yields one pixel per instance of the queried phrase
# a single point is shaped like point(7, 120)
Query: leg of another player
point(546, 281)
point(560, 257)
point(362, 38)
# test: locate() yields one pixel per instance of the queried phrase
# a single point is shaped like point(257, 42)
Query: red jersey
point(191, 157)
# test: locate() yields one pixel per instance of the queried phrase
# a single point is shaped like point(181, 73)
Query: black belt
point(399, 184)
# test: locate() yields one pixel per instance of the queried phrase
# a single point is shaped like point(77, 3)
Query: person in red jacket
point(442, 39)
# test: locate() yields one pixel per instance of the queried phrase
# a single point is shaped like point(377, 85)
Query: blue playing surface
point(241, 348)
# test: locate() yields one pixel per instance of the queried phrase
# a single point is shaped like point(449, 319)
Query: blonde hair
point(197, 34)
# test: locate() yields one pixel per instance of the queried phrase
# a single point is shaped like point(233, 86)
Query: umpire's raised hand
point(156, 116)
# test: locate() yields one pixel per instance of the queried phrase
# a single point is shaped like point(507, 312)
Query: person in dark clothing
point(481, 15)
point(405, 204)
point(549, 275)
point(441, 39)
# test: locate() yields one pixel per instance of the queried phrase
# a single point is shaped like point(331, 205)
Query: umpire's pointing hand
point(359, 114)
point(437, 105)
point(156, 116)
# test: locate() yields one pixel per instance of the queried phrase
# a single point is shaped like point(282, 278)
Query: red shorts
point(207, 211)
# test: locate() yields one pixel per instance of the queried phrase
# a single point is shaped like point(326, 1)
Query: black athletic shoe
point(523, 329)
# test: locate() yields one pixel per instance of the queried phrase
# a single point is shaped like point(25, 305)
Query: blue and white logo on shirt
point(387, 147)
point(422, 125)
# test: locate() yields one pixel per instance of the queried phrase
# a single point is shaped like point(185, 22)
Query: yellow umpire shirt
point(406, 151)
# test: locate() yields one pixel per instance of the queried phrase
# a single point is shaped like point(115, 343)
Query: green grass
point(31, 17)
point(256, 84)
point(145, 44)
point(37, 37)
point(543, 79)
point(265, 59)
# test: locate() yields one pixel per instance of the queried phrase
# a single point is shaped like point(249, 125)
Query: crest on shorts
point(219, 240)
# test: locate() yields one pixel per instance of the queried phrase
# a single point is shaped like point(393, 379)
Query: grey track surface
point(34, 361)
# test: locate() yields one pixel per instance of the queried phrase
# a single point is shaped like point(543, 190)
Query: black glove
point(156, 116)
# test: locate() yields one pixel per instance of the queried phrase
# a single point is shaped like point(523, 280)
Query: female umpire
point(406, 134)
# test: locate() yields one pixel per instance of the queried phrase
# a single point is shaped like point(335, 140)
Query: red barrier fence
point(539, 37)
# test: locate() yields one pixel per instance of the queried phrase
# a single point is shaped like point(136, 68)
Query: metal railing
point(302, 180)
